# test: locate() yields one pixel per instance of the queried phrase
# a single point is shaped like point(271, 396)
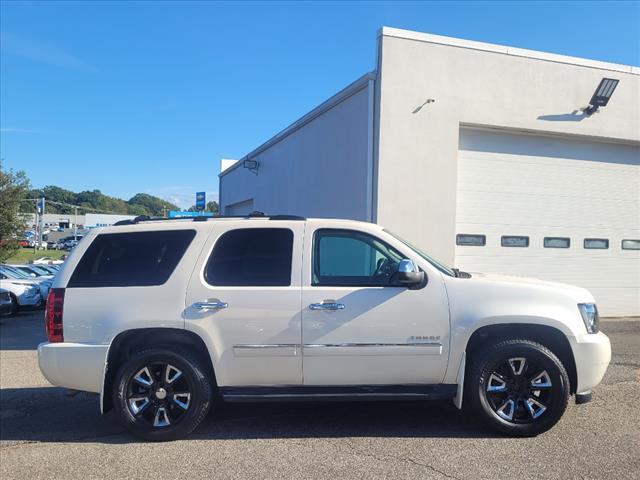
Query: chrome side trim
point(338, 345)
point(267, 350)
point(266, 345)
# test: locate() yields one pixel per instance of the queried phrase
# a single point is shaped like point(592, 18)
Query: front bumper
point(77, 366)
point(592, 355)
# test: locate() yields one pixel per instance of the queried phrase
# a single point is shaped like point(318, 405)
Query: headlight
point(589, 313)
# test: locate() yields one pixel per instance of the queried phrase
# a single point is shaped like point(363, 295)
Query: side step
point(340, 393)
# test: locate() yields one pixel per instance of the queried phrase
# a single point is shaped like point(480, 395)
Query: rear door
point(244, 300)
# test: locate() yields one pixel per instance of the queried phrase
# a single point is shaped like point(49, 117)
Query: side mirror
point(408, 274)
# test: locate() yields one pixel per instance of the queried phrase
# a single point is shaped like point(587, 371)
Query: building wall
point(55, 218)
point(104, 220)
point(540, 187)
point(318, 167)
point(479, 85)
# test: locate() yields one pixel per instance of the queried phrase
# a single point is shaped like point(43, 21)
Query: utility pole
point(75, 223)
point(35, 230)
point(41, 223)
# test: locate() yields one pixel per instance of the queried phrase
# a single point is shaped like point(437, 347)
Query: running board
point(340, 393)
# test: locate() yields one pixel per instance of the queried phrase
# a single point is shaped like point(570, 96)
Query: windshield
point(443, 268)
point(15, 274)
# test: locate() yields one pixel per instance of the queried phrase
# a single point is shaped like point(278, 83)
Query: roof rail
point(146, 218)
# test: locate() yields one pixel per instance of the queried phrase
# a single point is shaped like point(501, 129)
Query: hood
point(578, 294)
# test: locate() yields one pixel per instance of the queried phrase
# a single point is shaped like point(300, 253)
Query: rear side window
point(251, 257)
point(139, 259)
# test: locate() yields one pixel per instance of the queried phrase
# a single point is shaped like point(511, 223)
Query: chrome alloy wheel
point(159, 394)
point(518, 390)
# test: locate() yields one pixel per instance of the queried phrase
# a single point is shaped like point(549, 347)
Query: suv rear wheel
point(161, 395)
point(518, 387)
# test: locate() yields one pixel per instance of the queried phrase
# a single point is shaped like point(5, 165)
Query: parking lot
point(48, 432)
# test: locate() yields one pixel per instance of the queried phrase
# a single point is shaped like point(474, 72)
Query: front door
point(244, 301)
point(359, 330)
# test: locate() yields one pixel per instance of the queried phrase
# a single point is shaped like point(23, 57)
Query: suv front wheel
point(161, 395)
point(518, 387)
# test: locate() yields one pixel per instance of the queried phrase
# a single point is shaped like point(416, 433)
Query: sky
point(130, 97)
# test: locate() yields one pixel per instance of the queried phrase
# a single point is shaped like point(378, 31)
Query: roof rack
point(255, 214)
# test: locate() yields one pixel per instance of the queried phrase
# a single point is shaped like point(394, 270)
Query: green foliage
point(13, 191)
point(152, 205)
point(96, 201)
point(213, 207)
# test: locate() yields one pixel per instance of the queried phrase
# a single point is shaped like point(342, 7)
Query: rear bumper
point(592, 354)
point(73, 365)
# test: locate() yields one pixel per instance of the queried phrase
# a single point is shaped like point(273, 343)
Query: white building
point(467, 150)
point(104, 220)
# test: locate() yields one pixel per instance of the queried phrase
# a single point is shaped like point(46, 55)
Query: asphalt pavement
point(49, 432)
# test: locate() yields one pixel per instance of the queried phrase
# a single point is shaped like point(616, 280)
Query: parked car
point(36, 271)
point(67, 243)
point(34, 243)
point(6, 303)
point(48, 261)
point(22, 293)
point(43, 283)
point(161, 316)
point(50, 268)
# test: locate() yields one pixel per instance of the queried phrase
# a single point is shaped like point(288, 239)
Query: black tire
point(168, 413)
point(510, 397)
point(14, 304)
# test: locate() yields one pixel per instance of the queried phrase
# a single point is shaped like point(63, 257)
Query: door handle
point(330, 305)
point(210, 305)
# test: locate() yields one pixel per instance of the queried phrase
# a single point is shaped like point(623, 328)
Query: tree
point(213, 206)
point(13, 191)
point(153, 206)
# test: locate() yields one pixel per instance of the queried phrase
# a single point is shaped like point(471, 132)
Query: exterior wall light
point(601, 96)
point(251, 165)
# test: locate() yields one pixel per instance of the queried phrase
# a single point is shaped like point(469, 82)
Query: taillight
point(53, 315)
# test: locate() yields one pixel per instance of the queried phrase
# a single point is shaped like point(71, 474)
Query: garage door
point(552, 208)
point(241, 208)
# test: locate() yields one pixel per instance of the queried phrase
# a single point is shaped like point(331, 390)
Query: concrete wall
point(318, 167)
point(481, 85)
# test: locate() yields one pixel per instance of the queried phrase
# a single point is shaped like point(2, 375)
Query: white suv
point(161, 316)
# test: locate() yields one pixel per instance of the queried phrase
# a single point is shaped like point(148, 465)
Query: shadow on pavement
point(49, 414)
point(22, 331)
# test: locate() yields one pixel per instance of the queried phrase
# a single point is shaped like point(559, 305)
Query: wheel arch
point(129, 342)
point(551, 337)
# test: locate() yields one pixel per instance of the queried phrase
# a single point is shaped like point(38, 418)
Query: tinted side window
point(350, 258)
point(252, 257)
point(136, 259)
